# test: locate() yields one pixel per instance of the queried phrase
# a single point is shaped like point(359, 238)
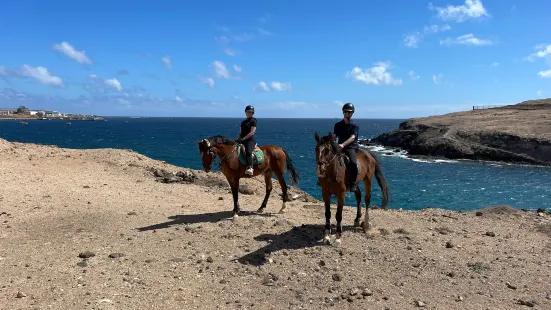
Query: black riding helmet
point(249, 108)
point(348, 107)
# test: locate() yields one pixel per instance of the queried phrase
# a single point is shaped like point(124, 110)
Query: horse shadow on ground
point(187, 219)
point(299, 237)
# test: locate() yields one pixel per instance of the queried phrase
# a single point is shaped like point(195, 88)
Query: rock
point(478, 213)
point(116, 255)
point(164, 176)
point(542, 210)
point(459, 298)
point(420, 304)
point(283, 222)
point(86, 254)
point(246, 189)
point(529, 303)
point(490, 233)
point(132, 213)
point(83, 263)
point(548, 296)
point(367, 292)
point(20, 295)
point(511, 286)
point(354, 292)
point(210, 260)
point(337, 277)
point(220, 198)
point(449, 245)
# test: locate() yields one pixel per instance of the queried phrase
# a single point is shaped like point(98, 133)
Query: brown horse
point(274, 162)
point(332, 176)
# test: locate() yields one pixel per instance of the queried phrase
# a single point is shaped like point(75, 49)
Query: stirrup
point(249, 171)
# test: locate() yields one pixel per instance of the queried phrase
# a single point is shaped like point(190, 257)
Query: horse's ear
point(197, 141)
point(317, 137)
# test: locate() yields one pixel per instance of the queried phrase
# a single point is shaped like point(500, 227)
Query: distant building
point(7, 111)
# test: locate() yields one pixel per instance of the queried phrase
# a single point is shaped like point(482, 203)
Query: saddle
point(344, 161)
point(258, 155)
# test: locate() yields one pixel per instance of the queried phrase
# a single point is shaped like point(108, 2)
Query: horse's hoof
point(337, 243)
point(261, 210)
point(282, 211)
point(235, 217)
point(358, 224)
point(327, 240)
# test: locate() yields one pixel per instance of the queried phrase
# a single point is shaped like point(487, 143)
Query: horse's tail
point(293, 173)
point(382, 181)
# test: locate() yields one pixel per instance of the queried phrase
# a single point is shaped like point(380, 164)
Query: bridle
point(213, 154)
point(323, 164)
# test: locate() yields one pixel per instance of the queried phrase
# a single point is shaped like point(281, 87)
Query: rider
point(347, 132)
point(247, 138)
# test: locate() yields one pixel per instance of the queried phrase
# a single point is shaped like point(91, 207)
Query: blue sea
point(414, 184)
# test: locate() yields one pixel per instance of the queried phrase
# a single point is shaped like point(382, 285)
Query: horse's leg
point(281, 180)
point(327, 230)
point(340, 205)
point(366, 225)
point(234, 185)
point(358, 194)
point(268, 180)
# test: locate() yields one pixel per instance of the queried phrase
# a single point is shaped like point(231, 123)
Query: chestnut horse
point(274, 162)
point(332, 176)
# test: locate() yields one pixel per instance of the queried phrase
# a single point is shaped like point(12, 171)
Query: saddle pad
point(258, 155)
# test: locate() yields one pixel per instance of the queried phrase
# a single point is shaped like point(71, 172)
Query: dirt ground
point(94, 229)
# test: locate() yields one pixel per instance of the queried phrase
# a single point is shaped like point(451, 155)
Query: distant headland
point(519, 133)
point(24, 113)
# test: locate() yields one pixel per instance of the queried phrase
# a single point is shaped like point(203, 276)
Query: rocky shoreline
point(514, 134)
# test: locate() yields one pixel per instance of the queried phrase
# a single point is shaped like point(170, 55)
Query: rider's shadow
point(302, 237)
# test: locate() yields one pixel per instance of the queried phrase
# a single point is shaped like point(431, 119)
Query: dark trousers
point(249, 147)
point(352, 165)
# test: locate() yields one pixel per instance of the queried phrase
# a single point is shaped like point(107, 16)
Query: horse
point(332, 176)
point(268, 160)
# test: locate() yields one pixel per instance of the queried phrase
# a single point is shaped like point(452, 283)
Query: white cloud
point(472, 9)
point(545, 74)
point(413, 39)
point(179, 99)
point(542, 51)
point(207, 80)
point(220, 70)
point(41, 74)
point(495, 64)
point(71, 52)
point(539, 92)
point(377, 75)
point(230, 51)
point(114, 83)
point(437, 78)
point(261, 87)
point(281, 86)
point(167, 61)
point(237, 68)
point(466, 39)
point(413, 75)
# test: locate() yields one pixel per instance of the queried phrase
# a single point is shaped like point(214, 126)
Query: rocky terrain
point(519, 133)
point(113, 229)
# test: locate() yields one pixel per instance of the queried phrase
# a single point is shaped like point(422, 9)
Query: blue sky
point(394, 59)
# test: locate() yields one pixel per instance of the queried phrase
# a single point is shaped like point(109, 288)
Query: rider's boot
point(249, 170)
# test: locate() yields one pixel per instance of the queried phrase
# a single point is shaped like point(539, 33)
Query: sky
point(391, 59)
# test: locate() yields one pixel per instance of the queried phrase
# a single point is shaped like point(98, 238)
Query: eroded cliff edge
point(518, 133)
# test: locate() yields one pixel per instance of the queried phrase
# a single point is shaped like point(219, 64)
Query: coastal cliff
point(518, 133)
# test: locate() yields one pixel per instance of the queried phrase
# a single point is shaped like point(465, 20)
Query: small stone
point(337, 277)
point(529, 303)
point(223, 281)
point(449, 245)
point(490, 233)
point(209, 259)
point(354, 292)
point(321, 263)
point(367, 292)
point(451, 274)
point(420, 304)
point(86, 254)
point(541, 210)
point(478, 213)
point(511, 286)
point(460, 298)
point(220, 198)
point(350, 299)
point(20, 295)
point(132, 213)
point(116, 255)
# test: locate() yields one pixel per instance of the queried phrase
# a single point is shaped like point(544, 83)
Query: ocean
point(414, 184)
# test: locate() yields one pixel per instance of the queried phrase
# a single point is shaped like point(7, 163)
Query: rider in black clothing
point(347, 132)
point(247, 138)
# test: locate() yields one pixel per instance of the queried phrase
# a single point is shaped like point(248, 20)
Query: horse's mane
point(218, 139)
point(333, 143)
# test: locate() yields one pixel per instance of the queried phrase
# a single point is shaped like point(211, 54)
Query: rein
point(222, 159)
point(325, 164)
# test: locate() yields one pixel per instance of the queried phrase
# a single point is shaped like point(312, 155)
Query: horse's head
point(208, 154)
point(326, 151)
